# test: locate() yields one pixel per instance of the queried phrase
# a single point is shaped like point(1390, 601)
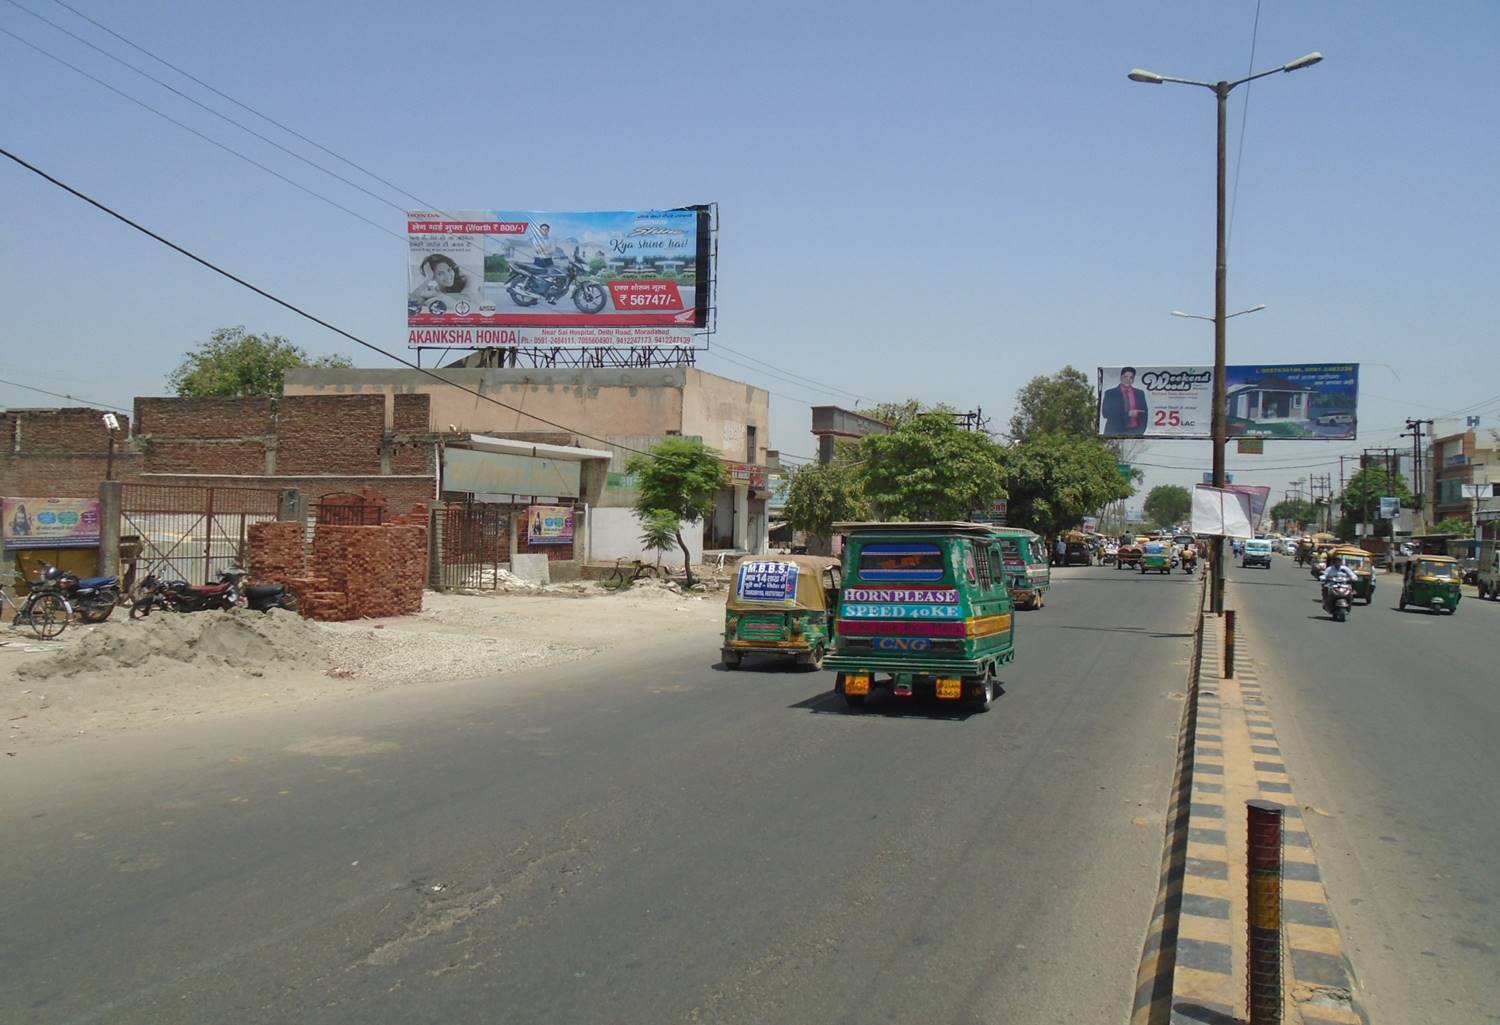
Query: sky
point(935, 202)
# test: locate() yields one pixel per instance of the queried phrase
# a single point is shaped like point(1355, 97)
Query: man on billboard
point(1124, 407)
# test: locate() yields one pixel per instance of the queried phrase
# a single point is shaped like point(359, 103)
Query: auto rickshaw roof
point(1424, 557)
point(916, 527)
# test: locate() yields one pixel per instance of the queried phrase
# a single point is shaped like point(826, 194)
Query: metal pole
point(1229, 644)
point(1221, 90)
point(1265, 995)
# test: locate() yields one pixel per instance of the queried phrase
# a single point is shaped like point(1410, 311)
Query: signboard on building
point(49, 522)
point(549, 525)
point(1314, 401)
point(748, 474)
point(767, 581)
point(1251, 446)
point(1389, 507)
point(486, 278)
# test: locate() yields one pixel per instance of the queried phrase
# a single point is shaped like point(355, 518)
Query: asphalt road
point(1390, 724)
point(635, 839)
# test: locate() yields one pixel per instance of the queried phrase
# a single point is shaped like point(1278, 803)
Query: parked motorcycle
point(265, 597)
point(180, 596)
point(1338, 599)
point(93, 598)
point(529, 284)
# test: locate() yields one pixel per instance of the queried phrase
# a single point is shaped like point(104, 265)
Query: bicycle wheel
point(48, 616)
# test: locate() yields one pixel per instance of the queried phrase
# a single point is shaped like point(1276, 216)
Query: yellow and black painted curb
point(1192, 966)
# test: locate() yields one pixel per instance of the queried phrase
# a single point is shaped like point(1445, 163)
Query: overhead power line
point(64, 395)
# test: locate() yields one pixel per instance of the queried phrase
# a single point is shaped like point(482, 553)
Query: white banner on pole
point(1220, 512)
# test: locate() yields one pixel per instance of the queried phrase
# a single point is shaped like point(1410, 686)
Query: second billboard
point(1315, 401)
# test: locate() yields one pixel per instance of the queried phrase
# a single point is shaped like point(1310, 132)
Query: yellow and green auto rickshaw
point(1358, 560)
point(925, 610)
point(1027, 573)
point(1157, 557)
point(1431, 582)
point(782, 605)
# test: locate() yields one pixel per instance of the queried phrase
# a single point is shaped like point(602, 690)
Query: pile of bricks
point(354, 572)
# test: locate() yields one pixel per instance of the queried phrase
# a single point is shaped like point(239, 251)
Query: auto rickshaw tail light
point(857, 683)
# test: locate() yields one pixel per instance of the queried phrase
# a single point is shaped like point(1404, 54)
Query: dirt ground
point(123, 675)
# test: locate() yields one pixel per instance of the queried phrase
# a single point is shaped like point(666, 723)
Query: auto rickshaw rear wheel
point(982, 697)
point(732, 660)
point(816, 659)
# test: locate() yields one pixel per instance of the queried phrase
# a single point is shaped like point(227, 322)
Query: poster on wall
point(49, 522)
point(549, 525)
point(485, 278)
point(766, 581)
point(1306, 401)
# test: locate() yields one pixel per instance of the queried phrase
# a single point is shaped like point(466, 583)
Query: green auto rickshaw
point(1027, 573)
point(1431, 582)
point(1358, 560)
point(1157, 557)
point(781, 605)
point(925, 610)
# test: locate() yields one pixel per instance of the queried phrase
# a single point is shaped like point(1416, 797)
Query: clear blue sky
point(975, 191)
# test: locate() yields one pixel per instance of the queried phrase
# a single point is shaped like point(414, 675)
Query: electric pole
point(1415, 429)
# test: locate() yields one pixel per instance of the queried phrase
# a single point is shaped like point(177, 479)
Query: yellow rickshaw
point(1358, 560)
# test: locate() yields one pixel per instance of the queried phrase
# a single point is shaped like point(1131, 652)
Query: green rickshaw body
point(1156, 557)
point(1027, 573)
point(781, 605)
point(927, 607)
point(1431, 582)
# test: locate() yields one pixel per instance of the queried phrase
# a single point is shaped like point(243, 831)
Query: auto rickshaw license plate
point(856, 683)
point(949, 687)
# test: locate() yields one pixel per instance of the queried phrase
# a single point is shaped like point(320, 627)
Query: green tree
point(680, 477)
point(1454, 525)
point(1055, 481)
point(929, 468)
point(236, 364)
point(1362, 495)
point(658, 531)
point(899, 414)
point(819, 496)
point(1168, 504)
point(1294, 510)
point(1061, 404)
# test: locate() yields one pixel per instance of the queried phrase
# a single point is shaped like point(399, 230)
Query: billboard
point(485, 278)
point(1312, 401)
point(49, 522)
point(549, 525)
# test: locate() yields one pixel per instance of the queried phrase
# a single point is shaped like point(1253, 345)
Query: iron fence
point(475, 544)
point(191, 533)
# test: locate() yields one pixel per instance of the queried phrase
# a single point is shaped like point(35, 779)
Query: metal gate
point(191, 533)
point(346, 509)
point(476, 544)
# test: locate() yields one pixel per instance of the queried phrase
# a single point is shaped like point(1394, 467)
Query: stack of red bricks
point(277, 551)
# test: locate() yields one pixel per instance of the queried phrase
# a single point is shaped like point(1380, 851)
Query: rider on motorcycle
point(1336, 573)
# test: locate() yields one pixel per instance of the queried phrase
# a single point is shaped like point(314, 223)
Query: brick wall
point(412, 414)
point(399, 493)
point(71, 430)
point(340, 434)
point(370, 571)
point(61, 453)
point(278, 551)
point(204, 418)
point(221, 457)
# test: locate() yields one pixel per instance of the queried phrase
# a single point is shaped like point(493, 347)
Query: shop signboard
point(767, 581)
point(498, 278)
point(549, 525)
point(748, 474)
point(49, 522)
point(1309, 401)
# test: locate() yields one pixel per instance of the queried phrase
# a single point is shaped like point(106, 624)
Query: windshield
point(901, 563)
point(1183, 540)
point(1428, 568)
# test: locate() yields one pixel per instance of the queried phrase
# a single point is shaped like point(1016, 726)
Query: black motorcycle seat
point(98, 582)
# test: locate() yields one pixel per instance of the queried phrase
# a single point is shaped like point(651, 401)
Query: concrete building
point(1466, 475)
point(623, 410)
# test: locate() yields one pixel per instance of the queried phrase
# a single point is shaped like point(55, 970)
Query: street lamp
point(1221, 91)
point(1199, 316)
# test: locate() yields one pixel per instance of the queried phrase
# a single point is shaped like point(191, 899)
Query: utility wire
point(244, 106)
point(61, 395)
point(826, 389)
point(1244, 117)
point(299, 311)
point(206, 138)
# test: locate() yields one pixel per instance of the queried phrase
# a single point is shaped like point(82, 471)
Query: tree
point(236, 364)
point(1362, 495)
point(658, 531)
point(1168, 504)
point(1454, 525)
point(1055, 481)
point(679, 477)
point(930, 469)
point(1294, 510)
point(1061, 404)
point(819, 496)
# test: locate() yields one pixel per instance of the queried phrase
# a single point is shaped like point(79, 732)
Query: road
point(626, 840)
point(1389, 723)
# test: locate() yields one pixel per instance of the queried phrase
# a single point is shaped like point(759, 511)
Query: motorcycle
point(181, 596)
point(265, 597)
point(529, 284)
point(1338, 599)
point(1189, 561)
point(93, 598)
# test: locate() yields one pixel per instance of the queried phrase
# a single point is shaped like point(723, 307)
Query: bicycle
point(44, 610)
point(625, 574)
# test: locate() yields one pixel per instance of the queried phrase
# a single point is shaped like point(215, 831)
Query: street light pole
point(1221, 91)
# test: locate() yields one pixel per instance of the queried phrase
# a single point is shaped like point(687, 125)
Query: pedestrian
point(1060, 552)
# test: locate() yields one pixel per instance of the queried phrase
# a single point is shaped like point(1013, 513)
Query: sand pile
point(238, 641)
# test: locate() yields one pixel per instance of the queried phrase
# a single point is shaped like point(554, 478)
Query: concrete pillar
point(742, 517)
point(108, 564)
point(437, 522)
